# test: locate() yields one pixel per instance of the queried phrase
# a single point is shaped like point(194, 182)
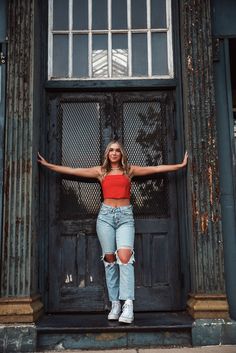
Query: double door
point(80, 127)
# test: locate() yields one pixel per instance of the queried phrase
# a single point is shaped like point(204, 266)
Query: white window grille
point(110, 39)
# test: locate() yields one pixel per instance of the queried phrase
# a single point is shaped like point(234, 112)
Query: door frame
point(55, 87)
point(164, 295)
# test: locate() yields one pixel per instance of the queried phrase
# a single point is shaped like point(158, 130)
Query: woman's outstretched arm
point(93, 172)
point(142, 171)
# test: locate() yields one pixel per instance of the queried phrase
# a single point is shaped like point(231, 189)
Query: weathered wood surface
point(17, 248)
point(207, 263)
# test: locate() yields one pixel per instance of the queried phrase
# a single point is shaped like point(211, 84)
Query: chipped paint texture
point(17, 338)
point(16, 243)
point(200, 128)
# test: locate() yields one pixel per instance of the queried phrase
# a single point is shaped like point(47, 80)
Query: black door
point(81, 125)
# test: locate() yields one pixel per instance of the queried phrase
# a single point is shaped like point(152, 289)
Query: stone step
point(94, 331)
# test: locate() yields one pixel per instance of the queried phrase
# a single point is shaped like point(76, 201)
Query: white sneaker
point(115, 310)
point(127, 315)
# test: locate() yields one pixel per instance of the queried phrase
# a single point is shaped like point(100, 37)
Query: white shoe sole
point(126, 320)
point(113, 317)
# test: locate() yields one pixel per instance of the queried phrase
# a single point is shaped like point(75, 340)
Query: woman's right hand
point(42, 160)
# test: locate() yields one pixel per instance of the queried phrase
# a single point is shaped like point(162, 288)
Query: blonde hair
point(106, 166)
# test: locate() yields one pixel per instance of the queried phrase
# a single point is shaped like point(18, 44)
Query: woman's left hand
point(185, 160)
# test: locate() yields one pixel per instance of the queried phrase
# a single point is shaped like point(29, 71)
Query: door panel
point(80, 128)
point(146, 125)
point(78, 125)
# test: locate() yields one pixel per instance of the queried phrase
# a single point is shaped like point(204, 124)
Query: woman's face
point(114, 153)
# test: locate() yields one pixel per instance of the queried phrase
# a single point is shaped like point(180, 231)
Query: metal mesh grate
point(86, 127)
point(80, 147)
point(145, 140)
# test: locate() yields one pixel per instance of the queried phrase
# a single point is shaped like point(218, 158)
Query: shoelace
point(127, 306)
point(115, 306)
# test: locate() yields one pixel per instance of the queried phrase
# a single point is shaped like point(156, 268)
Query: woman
point(115, 222)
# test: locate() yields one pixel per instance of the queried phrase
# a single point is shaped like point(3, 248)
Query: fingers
point(39, 155)
point(185, 160)
point(40, 159)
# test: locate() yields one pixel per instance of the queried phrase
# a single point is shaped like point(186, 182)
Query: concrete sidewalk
point(205, 349)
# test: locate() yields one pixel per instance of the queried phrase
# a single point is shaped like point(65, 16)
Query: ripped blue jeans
point(115, 230)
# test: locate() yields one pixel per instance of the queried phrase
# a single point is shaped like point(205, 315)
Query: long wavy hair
point(106, 166)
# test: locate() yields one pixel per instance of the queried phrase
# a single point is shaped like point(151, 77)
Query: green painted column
point(19, 301)
point(207, 298)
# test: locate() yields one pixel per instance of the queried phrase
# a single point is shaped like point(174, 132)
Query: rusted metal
point(17, 216)
point(201, 141)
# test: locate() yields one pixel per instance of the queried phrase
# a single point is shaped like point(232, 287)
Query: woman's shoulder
point(132, 169)
point(100, 170)
point(101, 173)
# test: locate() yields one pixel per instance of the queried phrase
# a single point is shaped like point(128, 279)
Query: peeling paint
point(82, 284)
point(111, 336)
point(60, 347)
point(210, 181)
point(204, 223)
point(190, 64)
point(69, 278)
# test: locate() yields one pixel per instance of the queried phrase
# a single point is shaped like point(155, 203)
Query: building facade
point(158, 75)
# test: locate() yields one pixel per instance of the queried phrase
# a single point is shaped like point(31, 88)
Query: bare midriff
point(116, 202)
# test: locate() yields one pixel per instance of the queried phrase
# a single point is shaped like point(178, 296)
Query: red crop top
point(116, 187)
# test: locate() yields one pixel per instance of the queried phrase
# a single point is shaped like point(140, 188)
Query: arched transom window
point(110, 39)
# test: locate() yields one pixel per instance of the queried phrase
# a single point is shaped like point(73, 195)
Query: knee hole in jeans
point(125, 256)
point(110, 257)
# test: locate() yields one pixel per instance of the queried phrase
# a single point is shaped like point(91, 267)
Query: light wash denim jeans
point(115, 230)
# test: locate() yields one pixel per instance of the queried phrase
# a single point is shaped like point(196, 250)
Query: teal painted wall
point(3, 20)
point(223, 28)
point(223, 18)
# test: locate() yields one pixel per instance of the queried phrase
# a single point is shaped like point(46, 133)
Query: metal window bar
point(105, 31)
point(109, 11)
point(129, 38)
point(50, 38)
point(169, 39)
point(149, 38)
point(90, 42)
point(70, 51)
